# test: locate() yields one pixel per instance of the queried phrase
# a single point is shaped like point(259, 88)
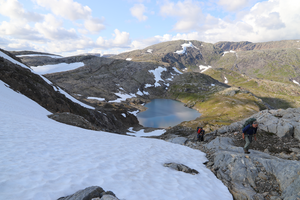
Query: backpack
point(199, 129)
point(248, 121)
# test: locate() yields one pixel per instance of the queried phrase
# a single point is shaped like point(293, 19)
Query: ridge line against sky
point(69, 27)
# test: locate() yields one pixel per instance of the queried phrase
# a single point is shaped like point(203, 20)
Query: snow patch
point(122, 97)
point(149, 50)
point(294, 81)
point(128, 59)
point(96, 98)
point(176, 70)
point(30, 55)
point(61, 67)
point(13, 60)
point(184, 46)
point(157, 75)
point(213, 84)
point(231, 51)
point(134, 112)
point(141, 133)
point(148, 85)
point(124, 115)
point(204, 68)
point(226, 80)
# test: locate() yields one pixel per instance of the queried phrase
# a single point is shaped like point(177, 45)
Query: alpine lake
point(163, 113)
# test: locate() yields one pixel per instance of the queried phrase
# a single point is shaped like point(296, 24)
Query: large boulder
point(245, 175)
point(283, 123)
point(91, 193)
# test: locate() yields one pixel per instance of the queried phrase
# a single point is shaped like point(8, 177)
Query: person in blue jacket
point(248, 132)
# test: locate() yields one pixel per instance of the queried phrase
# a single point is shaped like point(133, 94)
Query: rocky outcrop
point(254, 176)
point(91, 193)
point(283, 123)
point(270, 171)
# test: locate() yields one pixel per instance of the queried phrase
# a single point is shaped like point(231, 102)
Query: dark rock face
point(93, 192)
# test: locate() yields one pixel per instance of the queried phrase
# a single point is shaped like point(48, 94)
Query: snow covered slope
point(43, 159)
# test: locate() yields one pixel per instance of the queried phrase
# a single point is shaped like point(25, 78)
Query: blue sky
point(70, 27)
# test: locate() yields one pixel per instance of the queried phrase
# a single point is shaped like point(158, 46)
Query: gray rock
point(108, 197)
point(230, 163)
point(85, 194)
point(262, 176)
point(178, 140)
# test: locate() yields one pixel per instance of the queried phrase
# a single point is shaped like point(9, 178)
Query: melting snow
point(226, 80)
point(148, 85)
point(228, 52)
point(52, 56)
point(204, 68)
point(128, 59)
point(176, 70)
point(97, 98)
point(184, 46)
point(122, 97)
point(61, 67)
point(142, 133)
point(134, 112)
point(150, 50)
point(157, 75)
point(296, 82)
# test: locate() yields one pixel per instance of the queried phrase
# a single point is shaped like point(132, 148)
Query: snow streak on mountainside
point(42, 159)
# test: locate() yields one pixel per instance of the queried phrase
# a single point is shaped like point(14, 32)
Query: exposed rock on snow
point(89, 193)
point(181, 167)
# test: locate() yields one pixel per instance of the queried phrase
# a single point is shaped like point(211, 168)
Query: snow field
point(48, 69)
point(43, 159)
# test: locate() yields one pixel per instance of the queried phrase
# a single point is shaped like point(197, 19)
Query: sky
point(69, 27)
point(42, 159)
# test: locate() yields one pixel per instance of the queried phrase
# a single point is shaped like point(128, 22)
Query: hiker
point(248, 132)
point(200, 134)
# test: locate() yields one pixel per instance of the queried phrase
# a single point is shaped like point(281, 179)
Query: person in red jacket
point(248, 132)
point(200, 134)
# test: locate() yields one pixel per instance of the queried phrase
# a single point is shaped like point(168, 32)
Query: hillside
point(21, 78)
point(262, 75)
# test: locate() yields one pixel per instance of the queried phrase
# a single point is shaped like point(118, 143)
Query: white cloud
point(234, 5)
point(121, 38)
point(66, 8)
point(189, 14)
point(52, 29)
point(271, 21)
point(94, 25)
point(138, 11)
point(14, 10)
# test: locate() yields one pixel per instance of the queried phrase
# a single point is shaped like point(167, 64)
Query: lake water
point(162, 113)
